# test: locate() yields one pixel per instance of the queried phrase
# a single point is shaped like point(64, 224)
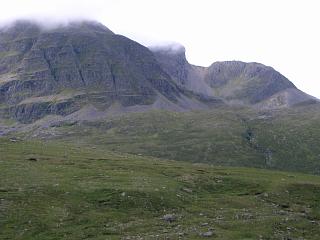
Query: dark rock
point(169, 218)
point(37, 63)
point(284, 205)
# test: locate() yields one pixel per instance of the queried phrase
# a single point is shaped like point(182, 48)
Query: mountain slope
point(174, 62)
point(59, 70)
point(79, 55)
point(84, 70)
point(235, 82)
point(285, 139)
point(73, 166)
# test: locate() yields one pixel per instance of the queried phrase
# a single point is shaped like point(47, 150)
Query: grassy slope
point(215, 137)
point(85, 193)
point(284, 140)
point(293, 137)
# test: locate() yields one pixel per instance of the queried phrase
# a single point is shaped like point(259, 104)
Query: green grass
point(281, 140)
point(8, 54)
point(76, 192)
point(292, 136)
point(215, 137)
point(7, 122)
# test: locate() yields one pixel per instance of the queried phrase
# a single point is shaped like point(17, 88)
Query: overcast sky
point(284, 34)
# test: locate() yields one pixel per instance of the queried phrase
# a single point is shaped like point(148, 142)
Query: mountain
point(60, 70)
point(236, 82)
point(103, 138)
point(82, 82)
point(85, 71)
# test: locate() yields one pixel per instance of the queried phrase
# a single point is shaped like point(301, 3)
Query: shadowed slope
point(79, 57)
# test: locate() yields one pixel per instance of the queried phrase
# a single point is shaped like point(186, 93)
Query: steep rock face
point(173, 61)
point(37, 62)
point(63, 69)
point(82, 55)
point(234, 81)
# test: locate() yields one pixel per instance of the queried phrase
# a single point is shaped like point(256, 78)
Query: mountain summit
point(65, 69)
point(59, 70)
point(236, 82)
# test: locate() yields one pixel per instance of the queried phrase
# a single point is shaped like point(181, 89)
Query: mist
point(168, 47)
point(44, 25)
point(49, 14)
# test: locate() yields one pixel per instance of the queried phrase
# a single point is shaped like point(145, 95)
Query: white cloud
point(280, 33)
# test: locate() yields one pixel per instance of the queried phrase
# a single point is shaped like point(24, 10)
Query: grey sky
point(281, 33)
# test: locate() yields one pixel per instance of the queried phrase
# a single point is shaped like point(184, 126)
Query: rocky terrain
point(69, 68)
point(62, 69)
point(82, 81)
point(237, 83)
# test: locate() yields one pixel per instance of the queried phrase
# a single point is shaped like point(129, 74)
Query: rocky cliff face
point(83, 65)
point(173, 61)
point(84, 60)
point(81, 55)
point(235, 82)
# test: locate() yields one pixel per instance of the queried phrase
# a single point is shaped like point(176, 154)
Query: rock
point(169, 218)
point(244, 216)
point(207, 234)
point(264, 81)
point(188, 190)
point(281, 212)
point(82, 55)
point(284, 205)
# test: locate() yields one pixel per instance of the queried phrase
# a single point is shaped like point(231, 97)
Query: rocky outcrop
point(245, 82)
point(62, 69)
point(36, 62)
point(234, 81)
point(173, 61)
point(82, 55)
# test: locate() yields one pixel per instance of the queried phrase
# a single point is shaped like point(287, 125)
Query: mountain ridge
point(80, 57)
point(101, 138)
point(236, 82)
point(62, 69)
